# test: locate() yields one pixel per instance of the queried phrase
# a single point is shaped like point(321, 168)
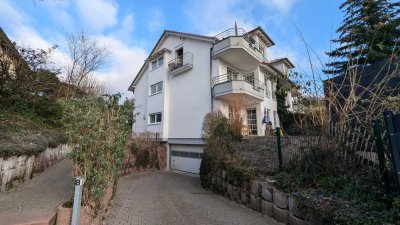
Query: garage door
point(186, 158)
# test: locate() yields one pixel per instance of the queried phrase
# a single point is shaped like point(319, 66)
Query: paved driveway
point(168, 198)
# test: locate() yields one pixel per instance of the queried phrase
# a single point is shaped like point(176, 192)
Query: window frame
point(266, 82)
point(158, 86)
point(155, 118)
point(155, 64)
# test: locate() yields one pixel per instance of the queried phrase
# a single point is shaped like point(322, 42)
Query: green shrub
point(219, 137)
point(218, 144)
point(97, 129)
point(144, 150)
point(51, 110)
point(239, 170)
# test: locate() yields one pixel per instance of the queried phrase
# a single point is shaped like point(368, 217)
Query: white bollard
point(77, 200)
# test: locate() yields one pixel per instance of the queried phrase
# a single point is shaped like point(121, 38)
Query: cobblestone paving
point(43, 192)
point(168, 198)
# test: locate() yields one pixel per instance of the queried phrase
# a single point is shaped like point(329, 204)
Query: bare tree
point(86, 56)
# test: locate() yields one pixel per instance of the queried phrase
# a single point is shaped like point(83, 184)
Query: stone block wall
point(260, 196)
point(17, 169)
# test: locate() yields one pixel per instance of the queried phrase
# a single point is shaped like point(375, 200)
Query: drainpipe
point(211, 85)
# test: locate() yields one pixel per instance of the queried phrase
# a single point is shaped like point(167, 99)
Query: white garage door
point(186, 158)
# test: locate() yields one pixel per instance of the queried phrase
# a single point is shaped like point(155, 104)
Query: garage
point(186, 158)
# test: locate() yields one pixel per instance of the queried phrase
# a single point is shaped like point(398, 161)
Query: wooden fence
point(350, 143)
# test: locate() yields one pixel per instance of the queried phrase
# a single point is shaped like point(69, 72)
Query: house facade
point(188, 75)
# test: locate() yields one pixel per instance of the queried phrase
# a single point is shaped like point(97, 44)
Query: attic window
point(157, 63)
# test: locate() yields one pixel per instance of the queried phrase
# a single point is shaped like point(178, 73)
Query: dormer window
point(157, 63)
point(261, 48)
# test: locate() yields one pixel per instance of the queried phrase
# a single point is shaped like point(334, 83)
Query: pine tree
point(369, 33)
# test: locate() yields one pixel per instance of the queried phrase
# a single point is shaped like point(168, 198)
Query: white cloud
point(23, 34)
point(156, 20)
point(126, 27)
point(98, 14)
point(212, 17)
point(58, 11)
point(126, 62)
point(284, 6)
point(9, 15)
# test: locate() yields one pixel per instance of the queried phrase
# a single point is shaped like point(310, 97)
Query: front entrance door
point(252, 121)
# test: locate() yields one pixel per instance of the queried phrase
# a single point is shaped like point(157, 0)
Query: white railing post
point(77, 201)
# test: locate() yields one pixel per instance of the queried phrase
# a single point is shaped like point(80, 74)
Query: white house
point(188, 75)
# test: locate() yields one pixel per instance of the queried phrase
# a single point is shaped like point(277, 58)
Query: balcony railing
point(184, 61)
point(239, 32)
point(231, 32)
point(248, 78)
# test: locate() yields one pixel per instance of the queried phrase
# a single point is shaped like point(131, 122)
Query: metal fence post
point(77, 201)
point(278, 141)
point(377, 126)
point(394, 142)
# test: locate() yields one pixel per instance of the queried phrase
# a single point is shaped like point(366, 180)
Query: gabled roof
point(285, 60)
point(181, 34)
point(269, 66)
point(166, 33)
point(268, 38)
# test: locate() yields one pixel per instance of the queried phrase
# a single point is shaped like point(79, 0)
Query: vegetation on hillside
point(29, 110)
point(31, 91)
point(26, 133)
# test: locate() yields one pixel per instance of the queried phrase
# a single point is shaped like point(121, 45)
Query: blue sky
point(130, 28)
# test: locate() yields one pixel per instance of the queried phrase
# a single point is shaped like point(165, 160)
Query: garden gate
point(393, 128)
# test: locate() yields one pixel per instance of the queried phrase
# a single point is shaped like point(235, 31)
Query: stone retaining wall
point(260, 196)
point(17, 169)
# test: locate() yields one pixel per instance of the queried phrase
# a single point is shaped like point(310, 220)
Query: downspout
point(211, 84)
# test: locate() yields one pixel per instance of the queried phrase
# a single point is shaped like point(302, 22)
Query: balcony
point(236, 47)
point(180, 64)
point(232, 86)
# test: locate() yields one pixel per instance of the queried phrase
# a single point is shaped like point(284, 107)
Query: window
point(157, 63)
point(154, 118)
point(266, 82)
point(156, 88)
point(154, 65)
point(193, 155)
point(275, 119)
point(252, 121)
point(179, 57)
point(273, 87)
point(160, 61)
point(261, 48)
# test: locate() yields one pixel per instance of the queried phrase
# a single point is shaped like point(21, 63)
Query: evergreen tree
point(369, 33)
